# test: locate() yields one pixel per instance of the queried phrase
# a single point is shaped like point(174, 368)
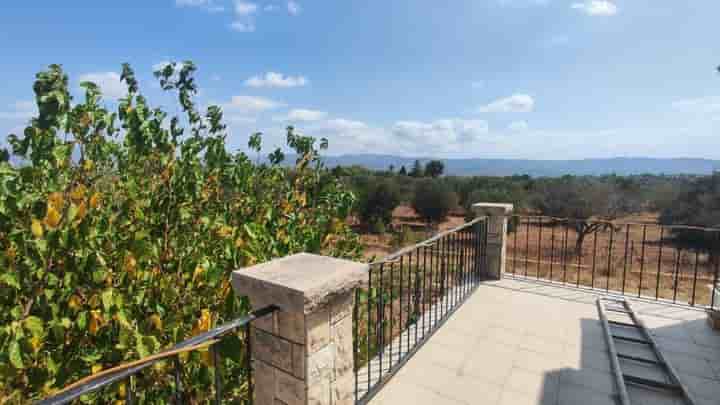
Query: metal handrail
point(104, 378)
point(426, 243)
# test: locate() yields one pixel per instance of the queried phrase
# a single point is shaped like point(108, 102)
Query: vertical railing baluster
point(594, 259)
point(516, 228)
point(369, 329)
point(564, 252)
point(380, 337)
point(695, 274)
point(659, 266)
point(579, 261)
point(356, 343)
point(539, 255)
point(552, 247)
point(678, 252)
point(130, 391)
point(609, 258)
point(625, 257)
point(714, 254)
point(445, 266)
point(642, 259)
point(392, 313)
point(408, 301)
point(248, 364)
point(218, 377)
point(400, 321)
point(425, 292)
point(178, 380)
point(527, 243)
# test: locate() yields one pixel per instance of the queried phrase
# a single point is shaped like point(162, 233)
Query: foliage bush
point(119, 230)
point(433, 201)
point(377, 203)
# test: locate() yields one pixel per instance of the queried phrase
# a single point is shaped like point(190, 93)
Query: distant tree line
point(585, 199)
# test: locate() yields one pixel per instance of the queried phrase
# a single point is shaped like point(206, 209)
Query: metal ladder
point(633, 351)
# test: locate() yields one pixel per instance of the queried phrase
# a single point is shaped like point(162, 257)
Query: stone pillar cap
point(301, 282)
point(494, 208)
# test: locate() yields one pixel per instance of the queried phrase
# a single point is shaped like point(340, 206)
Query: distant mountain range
point(538, 168)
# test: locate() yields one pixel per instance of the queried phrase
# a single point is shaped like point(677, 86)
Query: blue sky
point(540, 79)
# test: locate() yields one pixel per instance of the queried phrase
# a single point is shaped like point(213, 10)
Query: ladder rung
point(622, 311)
point(628, 325)
point(651, 383)
point(629, 339)
point(640, 359)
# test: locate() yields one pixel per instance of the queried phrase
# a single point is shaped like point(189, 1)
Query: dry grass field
point(618, 259)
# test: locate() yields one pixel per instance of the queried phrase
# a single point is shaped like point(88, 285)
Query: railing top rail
point(106, 377)
point(391, 257)
point(617, 222)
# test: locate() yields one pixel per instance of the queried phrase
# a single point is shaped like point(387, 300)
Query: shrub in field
point(377, 204)
point(433, 201)
point(119, 230)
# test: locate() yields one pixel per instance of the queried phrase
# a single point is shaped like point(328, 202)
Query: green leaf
point(35, 325)
point(10, 279)
point(16, 355)
point(107, 299)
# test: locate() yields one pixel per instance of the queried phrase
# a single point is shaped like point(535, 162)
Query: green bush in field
point(433, 201)
point(119, 230)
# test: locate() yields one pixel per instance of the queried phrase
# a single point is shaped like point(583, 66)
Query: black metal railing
point(669, 263)
point(125, 379)
point(408, 295)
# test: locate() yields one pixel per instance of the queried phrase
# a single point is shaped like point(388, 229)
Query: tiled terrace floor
point(516, 342)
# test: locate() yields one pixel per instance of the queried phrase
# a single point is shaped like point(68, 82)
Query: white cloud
point(514, 103)
point(441, 131)
point(251, 104)
point(600, 8)
point(301, 114)
point(109, 83)
point(518, 126)
point(293, 7)
point(243, 8)
point(278, 80)
point(241, 26)
point(341, 124)
point(208, 5)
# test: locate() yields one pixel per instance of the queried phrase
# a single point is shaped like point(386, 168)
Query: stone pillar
point(303, 353)
point(496, 236)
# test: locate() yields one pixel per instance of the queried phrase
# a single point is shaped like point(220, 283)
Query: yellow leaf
point(96, 321)
point(52, 217)
point(88, 165)
point(36, 342)
point(81, 212)
point(97, 368)
point(78, 193)
point(156, 322)
point(56, 201)
point(205, 357)
point(239, 243)
point(37, 228)
point(199, 270)
point(74, 302)
point(122, 390)
point(95, 200)
point(202, 324)
point(225, 231)
point(11, 252)
point(130, 264)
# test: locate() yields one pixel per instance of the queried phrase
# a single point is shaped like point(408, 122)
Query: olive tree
point(433, 201)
